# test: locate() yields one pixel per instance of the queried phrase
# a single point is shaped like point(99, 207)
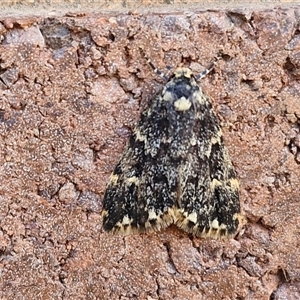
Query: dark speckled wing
point(209, 201)
point(141, 193)
point(174, 169)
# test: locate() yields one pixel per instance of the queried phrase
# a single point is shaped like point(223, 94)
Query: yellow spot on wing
point(217, 138)
point(215, 183)
point(234, 183)
point(182, 104)
point(152, 215)
point(126, 220)
point(139, 136)
point(215, 224)
point(133, 179)
point(193, 217)
point(113, 179)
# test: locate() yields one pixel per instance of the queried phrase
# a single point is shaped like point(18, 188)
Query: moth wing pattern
point(175, 168)
point(140, 195)
point(208, 205)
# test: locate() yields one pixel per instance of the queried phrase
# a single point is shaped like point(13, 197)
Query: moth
point(175, 168)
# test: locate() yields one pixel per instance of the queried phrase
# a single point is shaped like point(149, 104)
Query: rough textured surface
point(80, 7)
point(71, 89)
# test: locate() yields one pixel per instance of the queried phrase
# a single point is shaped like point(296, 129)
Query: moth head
point(183, 72)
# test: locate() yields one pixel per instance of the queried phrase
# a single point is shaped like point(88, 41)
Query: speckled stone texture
point(71, 89)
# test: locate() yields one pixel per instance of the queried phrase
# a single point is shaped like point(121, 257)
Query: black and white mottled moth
point(175, 168)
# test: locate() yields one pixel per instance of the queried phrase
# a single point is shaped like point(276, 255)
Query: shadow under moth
point(175, 168)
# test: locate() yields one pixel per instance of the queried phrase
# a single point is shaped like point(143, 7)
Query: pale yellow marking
point(214, 230)
point(124, 227)
point(215, 182)
point(234, 183)
point(168, 96)
point(186, 72)
point(236, 216)
point(139, 136)
point(104, 213)
point(126, 220)
point(152, 215)
point(200, 97)
point(192, 217)
point(113, 179)
point(170, 217)
point(122, 230)
point(223, 226)
point(217, 138)
point(215, 224)
point(182, 104)
point(133, 179)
